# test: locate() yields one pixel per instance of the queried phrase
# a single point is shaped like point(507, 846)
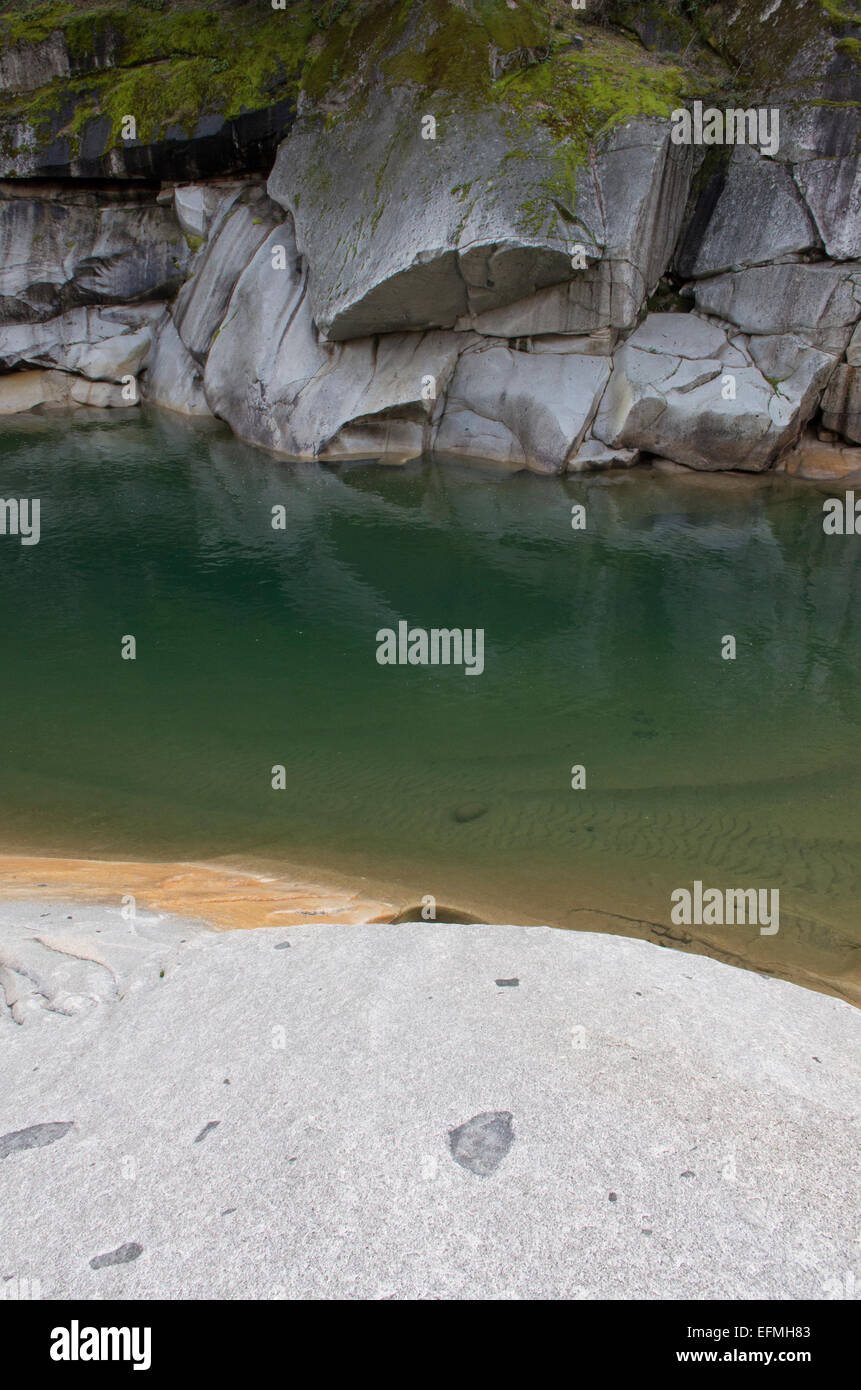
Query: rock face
point(705, 403)
point(521, 409)
point(60, 248)
point(277, 385)
point(458, 250)
point(174, 380)
point(822, 302)
point(203, 299)
point(430, 241)
point(199, 85)
point(435, 242)
point(757, 216)
point(841, 404)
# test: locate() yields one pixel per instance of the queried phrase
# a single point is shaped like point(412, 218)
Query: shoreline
point(225, 898)
point(231, 897)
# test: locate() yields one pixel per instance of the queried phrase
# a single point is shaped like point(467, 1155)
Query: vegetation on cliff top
point(171, 62)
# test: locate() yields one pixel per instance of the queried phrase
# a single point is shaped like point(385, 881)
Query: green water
point(257, 647)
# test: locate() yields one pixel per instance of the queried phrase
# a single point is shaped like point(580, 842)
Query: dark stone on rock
point(282, 946)
point(482, 1142)
point(212, 1124)
point(510, 983)
point(33, 1137)
point(470, 810)
point(123, 1255)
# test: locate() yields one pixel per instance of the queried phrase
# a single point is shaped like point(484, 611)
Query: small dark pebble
point(212, 1124)
point(816, 1059)
point(123, 1255)
point(227, 1211)
point(470, 810)
point(612, 1197)
point(688, 1173)
point(513, 981)
point(282, 946)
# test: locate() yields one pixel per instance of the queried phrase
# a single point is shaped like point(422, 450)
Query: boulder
point(60, 251)
point(174, 380)
point(841, 404)
point(20, 391)
point(818, 462)
point(203, 299)
point(748, 214)
point(66, 340)
point(110, 359)
point(593, 456)
point(522, 409)
point(702, 411)
point(820, 302)
point(406, 233)
point(277, 385)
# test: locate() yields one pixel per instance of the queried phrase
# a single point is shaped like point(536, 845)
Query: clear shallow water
point(257, 647)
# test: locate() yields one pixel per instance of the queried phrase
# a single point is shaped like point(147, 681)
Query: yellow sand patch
point(225, 898)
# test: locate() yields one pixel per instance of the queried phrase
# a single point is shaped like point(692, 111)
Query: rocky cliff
point(484, 228)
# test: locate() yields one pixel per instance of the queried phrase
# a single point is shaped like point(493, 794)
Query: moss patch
point(165, 64)
point(169, 63)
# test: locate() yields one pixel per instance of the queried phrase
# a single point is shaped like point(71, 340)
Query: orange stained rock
point(225, 898)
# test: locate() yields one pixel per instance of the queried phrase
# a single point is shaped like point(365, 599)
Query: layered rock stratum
point(470, 230)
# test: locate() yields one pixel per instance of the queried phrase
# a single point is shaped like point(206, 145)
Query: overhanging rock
point(402, 232)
